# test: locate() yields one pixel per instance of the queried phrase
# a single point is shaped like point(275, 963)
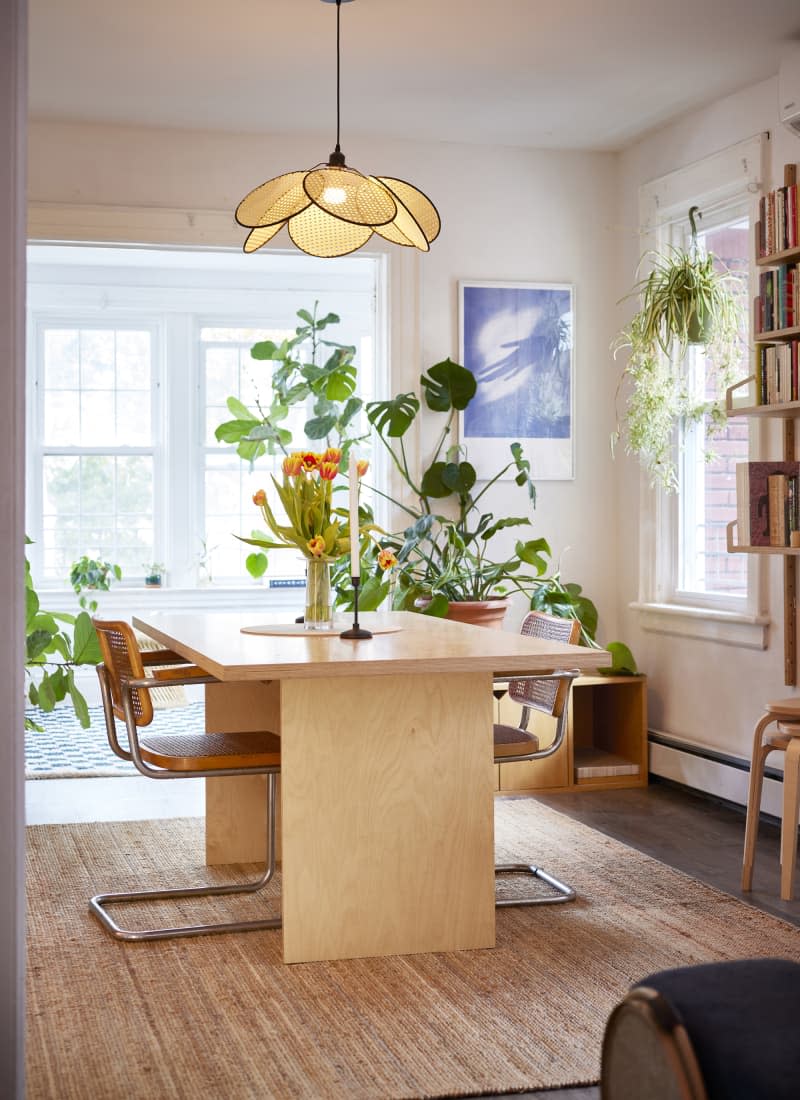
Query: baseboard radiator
point(716, 773)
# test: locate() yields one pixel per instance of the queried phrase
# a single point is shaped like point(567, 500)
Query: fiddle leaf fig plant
point(297, 378)
point(685, 299)
point(55, 644)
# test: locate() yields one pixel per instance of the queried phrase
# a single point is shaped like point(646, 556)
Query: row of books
point(776, 373)
point(778, 227)
point(767, 502)
point(777, 301)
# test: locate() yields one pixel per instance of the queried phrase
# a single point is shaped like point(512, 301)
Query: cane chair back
point(123, 662)
point(547, 696)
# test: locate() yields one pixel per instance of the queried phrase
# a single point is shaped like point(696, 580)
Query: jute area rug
point(222, 1017)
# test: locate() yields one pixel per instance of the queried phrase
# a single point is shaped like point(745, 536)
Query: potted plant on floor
point(686, 298)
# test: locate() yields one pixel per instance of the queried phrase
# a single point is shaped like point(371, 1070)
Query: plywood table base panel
point(236, 809)
point(388, 823)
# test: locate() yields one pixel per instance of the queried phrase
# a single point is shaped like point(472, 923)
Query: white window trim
point(400, 302)
point(714, 181)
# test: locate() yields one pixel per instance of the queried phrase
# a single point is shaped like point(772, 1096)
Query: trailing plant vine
point(686, 299)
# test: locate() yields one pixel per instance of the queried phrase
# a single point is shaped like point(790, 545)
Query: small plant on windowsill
point(154, 574)
point(95, 575)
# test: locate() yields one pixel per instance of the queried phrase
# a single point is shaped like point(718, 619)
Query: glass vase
point(319, 609)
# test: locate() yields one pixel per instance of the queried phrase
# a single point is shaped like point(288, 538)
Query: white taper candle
point(355, 555)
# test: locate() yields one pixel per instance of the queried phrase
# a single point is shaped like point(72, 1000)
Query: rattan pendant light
point(332, 210)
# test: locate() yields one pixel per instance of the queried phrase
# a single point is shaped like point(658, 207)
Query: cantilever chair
point(548, 694)
point(127, 676)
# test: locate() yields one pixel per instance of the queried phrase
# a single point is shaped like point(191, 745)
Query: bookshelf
point(605, 746)
point(774, 392)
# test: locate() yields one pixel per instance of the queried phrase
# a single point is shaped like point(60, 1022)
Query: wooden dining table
point(387, 775)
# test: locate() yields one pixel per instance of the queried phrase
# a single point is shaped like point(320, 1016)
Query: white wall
point(507, 214)
point(13, 53)
point(700, 691)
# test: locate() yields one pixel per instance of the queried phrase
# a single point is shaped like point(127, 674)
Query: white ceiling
point(577, 74)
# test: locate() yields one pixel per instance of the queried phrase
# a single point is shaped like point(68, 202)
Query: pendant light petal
point(260, 235)
point(319, 234)
point(350, 196)
point(404, 230)
point(418, 205)
point(274, 201)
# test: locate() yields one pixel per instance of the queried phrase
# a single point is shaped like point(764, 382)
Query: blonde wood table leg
point(236, 807)
point(388, 829)
point(791, 790)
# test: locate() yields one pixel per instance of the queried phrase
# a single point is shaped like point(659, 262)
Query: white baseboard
point(691, 766)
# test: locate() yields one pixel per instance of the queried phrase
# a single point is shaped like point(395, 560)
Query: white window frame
point(717, 182)
point(396, 348)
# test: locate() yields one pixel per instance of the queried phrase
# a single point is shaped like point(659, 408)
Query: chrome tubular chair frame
point(547, 693)
point(124, 703)
point(99, 901)
point(561, 891)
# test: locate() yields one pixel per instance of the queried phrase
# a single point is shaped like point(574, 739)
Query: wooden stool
point(785, 738)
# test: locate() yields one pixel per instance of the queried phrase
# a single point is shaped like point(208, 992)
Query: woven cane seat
point(511, 741)
point(206, 751)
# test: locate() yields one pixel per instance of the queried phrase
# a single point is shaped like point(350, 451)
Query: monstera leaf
point(395, 417)
point(448, 385)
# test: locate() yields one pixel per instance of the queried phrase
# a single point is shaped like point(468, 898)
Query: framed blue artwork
point(517, 339)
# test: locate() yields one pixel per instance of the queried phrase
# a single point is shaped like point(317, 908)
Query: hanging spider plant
point(684, 300)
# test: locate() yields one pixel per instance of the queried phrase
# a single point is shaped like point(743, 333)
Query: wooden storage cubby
point(607, 715)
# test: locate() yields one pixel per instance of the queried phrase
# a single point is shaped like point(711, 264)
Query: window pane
point(97, 359)
point(708, 469)
point(133, 360)
point(61, 358)
point(100, 505)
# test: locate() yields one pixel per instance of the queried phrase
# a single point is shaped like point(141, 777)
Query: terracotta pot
point(479, 612)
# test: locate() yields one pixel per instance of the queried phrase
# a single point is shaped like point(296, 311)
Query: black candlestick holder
point(355, 630)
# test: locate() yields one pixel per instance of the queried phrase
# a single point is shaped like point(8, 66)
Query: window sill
point(724, 627)
point(124, 601)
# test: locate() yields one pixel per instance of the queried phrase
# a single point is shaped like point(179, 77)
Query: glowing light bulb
point(335, 196)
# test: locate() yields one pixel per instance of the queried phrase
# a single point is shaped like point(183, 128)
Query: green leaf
point(256, 565)
point(31, 608)
point(318, 427)
point(240, 410)
point(265, 349)
point(448, 385)
point(437, 607)
point(47, 697)
point(79, 704)
point(85, 646)
point(234, 430)
point(533, 552)
point(351, 409)
point(623, 663)
point(36, 643)
point(395, 417)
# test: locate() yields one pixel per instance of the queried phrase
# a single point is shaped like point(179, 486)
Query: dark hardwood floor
point(696, 834)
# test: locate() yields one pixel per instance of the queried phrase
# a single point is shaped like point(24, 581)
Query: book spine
point(743, 503)
point(778, 493)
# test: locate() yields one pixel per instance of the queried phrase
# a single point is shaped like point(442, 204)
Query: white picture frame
point(518, 341)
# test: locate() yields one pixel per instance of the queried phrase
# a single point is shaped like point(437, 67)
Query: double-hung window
point(689, 583)
point(133, 354)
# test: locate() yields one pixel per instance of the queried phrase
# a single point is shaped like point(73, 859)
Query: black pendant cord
point(338, 69)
